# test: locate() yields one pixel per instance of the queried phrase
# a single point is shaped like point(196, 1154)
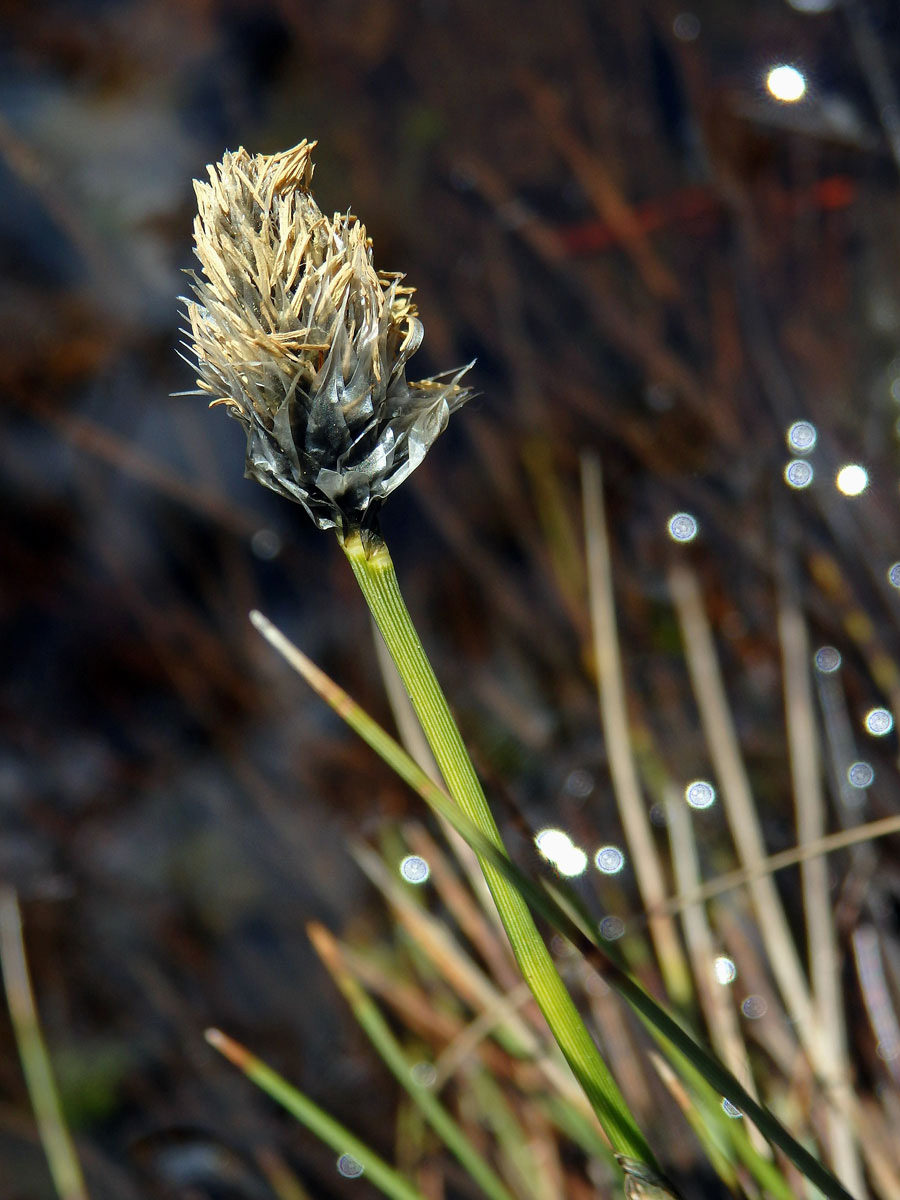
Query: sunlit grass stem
point(376, 1027)
point(325, 1127)
point(374, 571)
point(600, 955)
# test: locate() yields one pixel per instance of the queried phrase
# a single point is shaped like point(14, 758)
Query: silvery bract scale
point(642, 1182)
point(306, 343)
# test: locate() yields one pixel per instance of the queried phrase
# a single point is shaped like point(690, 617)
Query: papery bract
point(306, 343)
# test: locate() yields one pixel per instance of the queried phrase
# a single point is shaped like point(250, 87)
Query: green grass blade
point(376, 1028)
point(316, 1120)
point(54, 1134)
point(590, 943)
point(374, 572)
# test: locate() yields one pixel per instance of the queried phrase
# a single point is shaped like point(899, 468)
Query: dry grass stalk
point(806, 773)
point(715, 1000)
point(614, 712)
point(740, 808)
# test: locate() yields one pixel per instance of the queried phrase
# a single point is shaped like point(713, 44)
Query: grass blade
point(316, 1120)
point(374, 572)
point(58, 1146)
point(617, 736)
point(377, 1030)
point(590, 945)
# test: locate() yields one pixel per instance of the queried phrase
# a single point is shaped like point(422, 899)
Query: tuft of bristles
point(306, 343)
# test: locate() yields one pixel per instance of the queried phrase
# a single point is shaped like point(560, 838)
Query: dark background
point(649, 258)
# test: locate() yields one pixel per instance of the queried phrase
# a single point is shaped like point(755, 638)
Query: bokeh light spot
point(755, 1007)
point(552, 842)
point(682, 527)
point(812, 6)
point(612, 928)
point(879, 722)
point(686, 27)
point(609, 860)
point(798, 473)
point(860, 774)
point(801, 436)
point(265, 544)
point(424, 1074)
point(852, 479)
point(414, 869)
point(349, 1167)
point(828, 659)
point(786, 84)
point(573, 863)
point(559, 850)
point(579, 783)
point(700, 794)
point(724, 969)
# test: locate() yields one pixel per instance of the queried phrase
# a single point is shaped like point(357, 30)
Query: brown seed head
point(306, 343)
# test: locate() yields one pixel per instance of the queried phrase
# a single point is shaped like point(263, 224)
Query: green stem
point(374, 571)
point(54, 1134)
point(319, 1122)
point(379, 1032)
point(588, 942)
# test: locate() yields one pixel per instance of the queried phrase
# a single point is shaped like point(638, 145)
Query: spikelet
point(306, 343)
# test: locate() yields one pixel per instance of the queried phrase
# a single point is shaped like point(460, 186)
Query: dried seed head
point(306, 343)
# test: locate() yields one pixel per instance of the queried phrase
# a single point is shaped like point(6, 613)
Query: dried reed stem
point(715, 999)
point(806, 773)
point(740, 809)
point(614, 713)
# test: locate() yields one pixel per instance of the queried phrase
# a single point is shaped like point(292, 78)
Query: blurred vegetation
point(653, 261)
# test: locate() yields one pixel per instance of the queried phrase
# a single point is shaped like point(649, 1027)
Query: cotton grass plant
point(307, 344)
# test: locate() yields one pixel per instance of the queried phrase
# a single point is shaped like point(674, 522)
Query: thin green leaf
point(589, 942)
point(316, 1120)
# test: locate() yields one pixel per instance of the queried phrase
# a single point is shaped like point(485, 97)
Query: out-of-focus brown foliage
point(649, 258)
